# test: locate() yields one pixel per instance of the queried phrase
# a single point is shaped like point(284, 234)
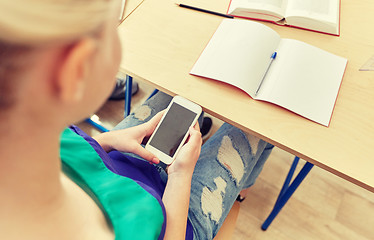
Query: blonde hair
point(35, 22)
point(26, 25)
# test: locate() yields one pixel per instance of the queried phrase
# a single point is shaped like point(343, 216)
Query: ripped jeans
point(230, 161)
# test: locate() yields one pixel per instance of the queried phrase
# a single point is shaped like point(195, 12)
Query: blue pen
point(273, 56)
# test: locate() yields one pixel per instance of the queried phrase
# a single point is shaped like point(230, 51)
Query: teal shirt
point(133, 212)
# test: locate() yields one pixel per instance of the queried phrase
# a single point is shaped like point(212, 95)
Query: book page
point(307, 13)
point(122, 9)
point(275, 9)
point(305, 80)
point(238, 54)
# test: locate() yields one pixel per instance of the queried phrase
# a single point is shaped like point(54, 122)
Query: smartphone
point(173, 128)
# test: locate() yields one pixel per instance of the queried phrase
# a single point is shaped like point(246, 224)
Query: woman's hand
point(130, 139)
point(187, 157)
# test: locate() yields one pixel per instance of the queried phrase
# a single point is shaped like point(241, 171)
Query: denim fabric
point(230, 161)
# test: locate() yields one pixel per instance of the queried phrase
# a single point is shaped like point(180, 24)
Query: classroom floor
point(323, 207)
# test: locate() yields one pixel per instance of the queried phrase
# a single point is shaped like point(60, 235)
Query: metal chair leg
point(153, 93)
point(290, 174)
point(128, 95)
point(96, 125)
point(287, 190)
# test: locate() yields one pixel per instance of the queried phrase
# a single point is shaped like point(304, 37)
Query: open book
point(302, 78)
point(317, 15)
point(122, 10)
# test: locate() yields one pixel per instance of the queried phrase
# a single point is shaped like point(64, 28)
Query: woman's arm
point(177, 193)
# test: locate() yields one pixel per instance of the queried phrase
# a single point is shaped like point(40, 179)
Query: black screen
point(172, 129)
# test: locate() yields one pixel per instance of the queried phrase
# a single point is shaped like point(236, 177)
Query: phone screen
point(172, 129)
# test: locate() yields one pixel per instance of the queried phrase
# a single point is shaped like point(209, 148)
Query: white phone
point(172, 131)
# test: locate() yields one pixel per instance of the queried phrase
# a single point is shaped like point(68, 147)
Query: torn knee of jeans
point(143, 112)
point(211, 201)
point(253, 142)
point(230, 159)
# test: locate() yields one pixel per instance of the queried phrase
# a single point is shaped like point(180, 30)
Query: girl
point(58, 61)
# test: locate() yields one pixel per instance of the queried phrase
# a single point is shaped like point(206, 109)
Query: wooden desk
point(130, 7)
point(162, 41)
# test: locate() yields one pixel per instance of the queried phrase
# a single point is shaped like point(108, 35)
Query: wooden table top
point(162, 41)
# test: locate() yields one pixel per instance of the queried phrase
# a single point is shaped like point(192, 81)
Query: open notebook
point(302, 78)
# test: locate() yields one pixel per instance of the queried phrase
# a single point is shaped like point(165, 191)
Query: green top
point(132, 211)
